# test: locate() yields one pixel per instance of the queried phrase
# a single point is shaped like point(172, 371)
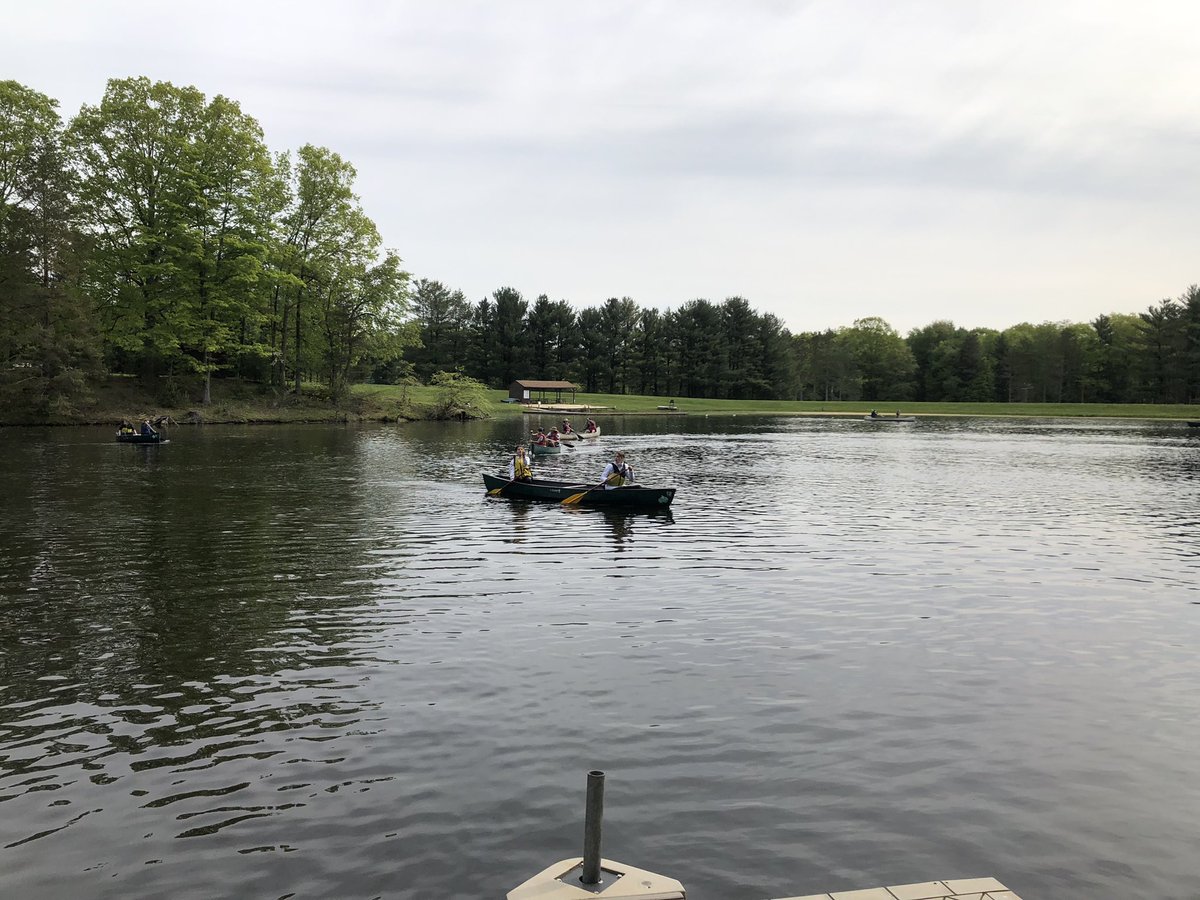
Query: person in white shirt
point(617, 473)
point(519, 468)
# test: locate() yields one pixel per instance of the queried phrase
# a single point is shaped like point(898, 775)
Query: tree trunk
point(281, 360)
point(298, 293)
point(207, 401)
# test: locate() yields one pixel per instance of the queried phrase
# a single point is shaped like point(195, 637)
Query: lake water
point(317, 662)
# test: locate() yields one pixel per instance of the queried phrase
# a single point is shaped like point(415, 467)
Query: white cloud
point(916, 160)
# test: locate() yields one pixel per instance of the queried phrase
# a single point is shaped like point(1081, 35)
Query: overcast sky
point(985, 162)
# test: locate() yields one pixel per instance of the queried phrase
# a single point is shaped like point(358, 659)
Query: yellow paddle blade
point(574, 498)
point(495, 491)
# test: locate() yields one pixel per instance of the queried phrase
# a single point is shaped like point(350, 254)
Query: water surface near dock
point(316, 661)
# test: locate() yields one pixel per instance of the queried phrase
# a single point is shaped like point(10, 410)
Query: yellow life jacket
point(521, 467)
point(618, 476)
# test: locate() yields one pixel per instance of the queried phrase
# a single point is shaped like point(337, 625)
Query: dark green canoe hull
point(558, 491)
point(141, 439)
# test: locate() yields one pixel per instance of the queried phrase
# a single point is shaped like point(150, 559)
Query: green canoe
point(558, 491)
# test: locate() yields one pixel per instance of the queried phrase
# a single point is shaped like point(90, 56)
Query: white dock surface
point(950, 889)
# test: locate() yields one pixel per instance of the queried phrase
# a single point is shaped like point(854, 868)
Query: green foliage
point(135, 151)
point(196, 253)
point(618, 319)
point(156, 234)
point(224, 245)
point(883, 361)
point(442, 318)
point(459, 397)
point(28, 119)
point(361, 306)
point(49, 345)
point(699, 346)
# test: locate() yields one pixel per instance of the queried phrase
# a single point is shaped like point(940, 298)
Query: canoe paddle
point(575, 498)
point(495, 492)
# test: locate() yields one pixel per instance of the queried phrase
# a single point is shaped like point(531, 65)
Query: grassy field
point(233, 402)
point(633, 404)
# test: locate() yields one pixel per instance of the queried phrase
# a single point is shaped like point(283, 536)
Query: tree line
point(702, 349)
point(154, 234)
point(728, 350)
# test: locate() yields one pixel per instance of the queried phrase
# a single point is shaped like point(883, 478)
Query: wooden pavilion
point(523, 390)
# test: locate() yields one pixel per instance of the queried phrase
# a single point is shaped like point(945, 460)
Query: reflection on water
point(320, 662)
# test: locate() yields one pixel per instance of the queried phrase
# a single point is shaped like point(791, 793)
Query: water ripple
point(319, 662)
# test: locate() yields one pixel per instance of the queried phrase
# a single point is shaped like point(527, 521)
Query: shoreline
point(240, 404)
point(181, 419)
point(338, 417)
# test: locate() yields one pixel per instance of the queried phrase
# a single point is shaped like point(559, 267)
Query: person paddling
point(566, 427)
point(617, 473)
point(519, 468)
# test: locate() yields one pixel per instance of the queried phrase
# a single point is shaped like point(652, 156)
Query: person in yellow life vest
point(519, 468)
point(617, 473)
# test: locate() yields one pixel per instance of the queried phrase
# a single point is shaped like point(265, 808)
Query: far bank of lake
point(121, 398)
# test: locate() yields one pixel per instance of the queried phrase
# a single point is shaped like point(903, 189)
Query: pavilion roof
point(547, 385)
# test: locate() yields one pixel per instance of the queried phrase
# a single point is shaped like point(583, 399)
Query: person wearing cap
point(617, 473)
point(566, 427)
point(552, 437)
point(519, 468)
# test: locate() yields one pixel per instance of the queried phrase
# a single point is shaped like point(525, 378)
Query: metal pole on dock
point(591, 828)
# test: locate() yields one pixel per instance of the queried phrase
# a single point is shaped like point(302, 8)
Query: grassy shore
point(235, 402)
point(634, 404)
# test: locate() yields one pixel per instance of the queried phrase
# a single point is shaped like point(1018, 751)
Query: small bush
point(459, 397)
